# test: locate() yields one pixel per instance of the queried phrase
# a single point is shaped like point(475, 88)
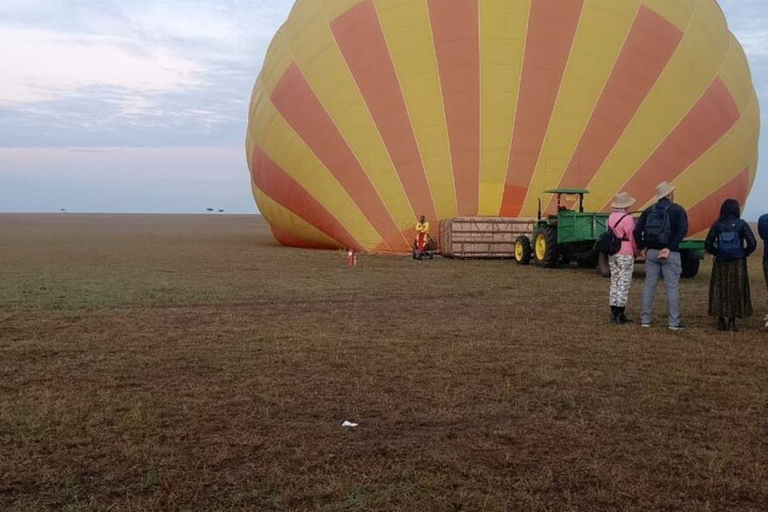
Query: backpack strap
point(625, 238)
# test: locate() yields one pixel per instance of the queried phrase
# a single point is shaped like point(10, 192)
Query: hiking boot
point(614, 315)
point(622, 317)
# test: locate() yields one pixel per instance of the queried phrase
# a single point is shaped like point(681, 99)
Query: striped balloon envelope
point(370, 113)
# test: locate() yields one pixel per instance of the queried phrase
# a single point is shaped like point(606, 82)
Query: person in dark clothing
point(659, 232)
point(762, 228)
point(731, 241)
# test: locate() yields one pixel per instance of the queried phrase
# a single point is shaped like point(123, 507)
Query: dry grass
point(187, 363)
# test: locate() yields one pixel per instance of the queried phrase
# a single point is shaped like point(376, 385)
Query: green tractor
point(570, 236)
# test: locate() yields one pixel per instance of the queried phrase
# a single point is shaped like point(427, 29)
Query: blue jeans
point(670, 269)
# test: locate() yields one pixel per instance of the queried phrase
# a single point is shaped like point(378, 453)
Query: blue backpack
point(729, 244)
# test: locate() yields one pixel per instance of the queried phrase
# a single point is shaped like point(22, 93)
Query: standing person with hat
point(731, 241)
point(622, 263)
point(659, 232)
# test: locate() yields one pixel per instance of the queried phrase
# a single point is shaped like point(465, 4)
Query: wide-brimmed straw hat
point(623, 200)
point(664, 189)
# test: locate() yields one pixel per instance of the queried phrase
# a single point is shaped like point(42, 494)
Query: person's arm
point(709, 245)
point(639, 229)
point(748, 237)
point(682, 229)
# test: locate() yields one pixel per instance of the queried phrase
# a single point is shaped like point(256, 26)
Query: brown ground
point(187, 363)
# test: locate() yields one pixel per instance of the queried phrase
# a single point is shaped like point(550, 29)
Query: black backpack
point(729, 244)
point(658, 227)
point(608, 243)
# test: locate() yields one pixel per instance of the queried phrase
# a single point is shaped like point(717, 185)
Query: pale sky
point(141, 105)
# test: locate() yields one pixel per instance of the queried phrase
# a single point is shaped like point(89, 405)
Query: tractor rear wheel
point(590, 261)
point(690, 266)
point(545, 247)
point(603, 266)
point(523, 250)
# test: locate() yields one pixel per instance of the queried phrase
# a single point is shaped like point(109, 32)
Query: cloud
point(48, 66)
point(131, 72)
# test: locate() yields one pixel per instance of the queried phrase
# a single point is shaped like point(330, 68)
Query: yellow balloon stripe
point(735, 74)
point(407, 29)
point(315, 51)
point(683, 82)
point(503, 30)
point(604, 27)
point(677, 12)
point(724, 161)
point(285, 220)
point(335, 8)
point(283, 146)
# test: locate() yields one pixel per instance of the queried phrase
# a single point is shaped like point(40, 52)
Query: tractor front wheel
point(523, 250)
point(545, 247)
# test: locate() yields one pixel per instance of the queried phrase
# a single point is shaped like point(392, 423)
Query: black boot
point(614, 315)
point(622, 317)
point(721, 324)
point(732, 325)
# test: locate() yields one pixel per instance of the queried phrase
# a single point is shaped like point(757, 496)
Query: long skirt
point(729, 293)
point(622, 268)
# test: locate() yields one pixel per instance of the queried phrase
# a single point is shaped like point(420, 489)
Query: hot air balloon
point(370, 113)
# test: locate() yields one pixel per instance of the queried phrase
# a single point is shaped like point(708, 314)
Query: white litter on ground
point(348, 424)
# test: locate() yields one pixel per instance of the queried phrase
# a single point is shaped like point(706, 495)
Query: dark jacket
point(762, 228)
point(678, 218)
point(745, 233)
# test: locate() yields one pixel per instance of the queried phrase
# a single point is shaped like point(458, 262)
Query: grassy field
point(188, 363)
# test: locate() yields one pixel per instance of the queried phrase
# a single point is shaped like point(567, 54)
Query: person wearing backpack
point(619, 244)
point(731, 241)
point(762, 228)
point(659, 232)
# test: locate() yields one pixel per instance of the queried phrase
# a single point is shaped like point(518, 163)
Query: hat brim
point(661, 196)
point(625, 204)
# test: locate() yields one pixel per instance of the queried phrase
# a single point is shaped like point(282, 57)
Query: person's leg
point(626, 265)
point(765, 275)
point(672, 269)
point(652, 274)
point(614, 293)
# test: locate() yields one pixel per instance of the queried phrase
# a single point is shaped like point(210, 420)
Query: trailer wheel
point(691, 266)
point(546, 247)
point(590, 261)
point(523, 250)
point(603, 267)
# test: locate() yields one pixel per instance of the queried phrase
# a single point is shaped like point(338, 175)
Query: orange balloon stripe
point(287, 192)
point(290, 240)
point(361, 40)
point(297, 103)
point(707, 122)
point(649, 47)
point(551, 30)
point(706, 212)
point(456, 31)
